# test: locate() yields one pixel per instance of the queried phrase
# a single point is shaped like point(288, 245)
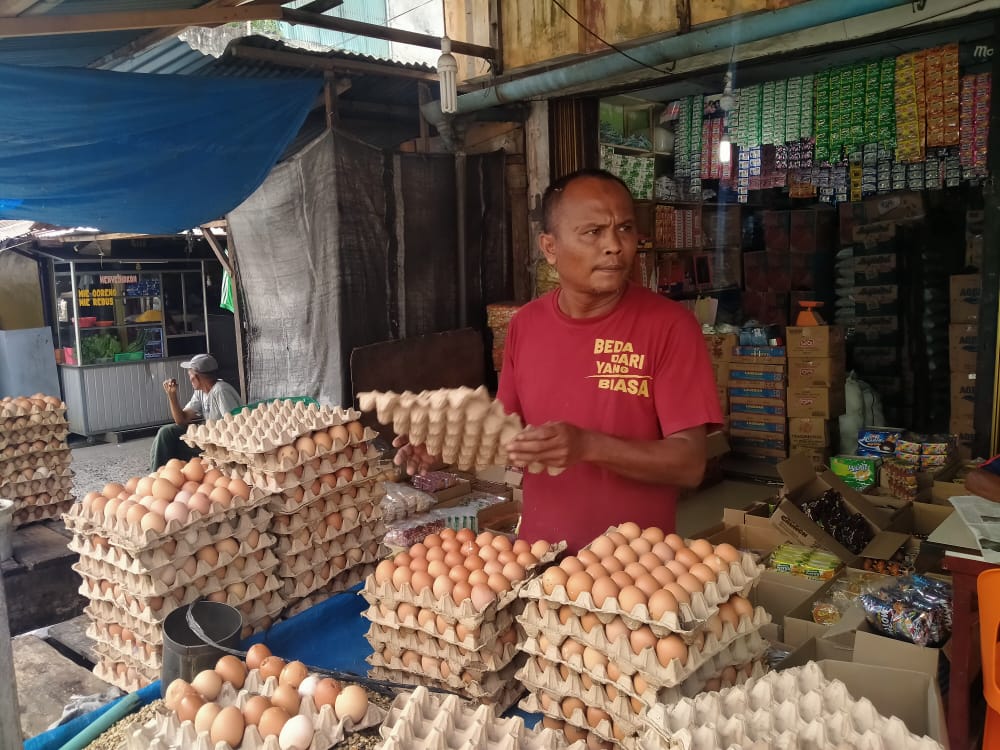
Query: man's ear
point(547, 244)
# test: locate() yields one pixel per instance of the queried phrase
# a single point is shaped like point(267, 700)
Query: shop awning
point(131, 152)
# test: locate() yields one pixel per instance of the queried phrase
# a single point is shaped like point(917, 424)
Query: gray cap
point(201, 363)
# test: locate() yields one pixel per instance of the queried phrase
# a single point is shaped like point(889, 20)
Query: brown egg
point(677, 568)
point(630, 598)
point(641, 639)
point(727, 613)
point(442, 586)
point(478, 577)
point(540, 548)
point(552, 577)
point(570, 705)
point(639, 684)
point(205, 716)
point(669, 648)
point(293, 674)
point(589, 621)
point(271, 666)
point(595, 716)
point(499, 583)
point(482, 596)
point(326, 692)
point(200, 502)
point(437, 568)
point(690, 584)
point(579, 583)
point(461, 592)
point(741, 606)
point(401, 576)
point(228, 726)
point(272, 721)
point(602, 547)
point(421, 581)
point(255, 706)
point(163, 489)
point(231, 670)
point(703, 573)
point(660, 603)
point(602, 590)
point(286, 697)
point(680, 593)
point(713, 625)
point(663, 575)
point(626, 555)
point(572, 565)
point(383, 572)
point(153, 522)
point(623, 579)
point(188, 706)
point(716, 563)
point(175, 691)
point(458, 573)
point(208, 684)
point(592, 658)
point(647, 585)
point(616, 630)
point(701, 547)
point(686, 557)
point(663, 551)
point(352, 703)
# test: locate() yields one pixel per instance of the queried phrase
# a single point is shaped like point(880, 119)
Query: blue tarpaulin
point(134, 152)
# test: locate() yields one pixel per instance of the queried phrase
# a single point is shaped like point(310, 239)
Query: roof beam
point(48, 25)
point(317, 62)
point(15, 7)
point(374, 31)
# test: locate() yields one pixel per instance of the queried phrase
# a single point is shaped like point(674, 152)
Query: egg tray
point(266, 484)
point(316, 558)
point(464, 612)
point(744, 649)
point(293, 589)
point(220, 522)
point(142, 608)
point(491, 659)
point(45, 480)
point(422, 720)
point(483, 684)
point(362, 529)
point(106, 671)
point(39, 403)
point(268, 426)
point(44, 500)
point(150, 586)
point(465, 427)
point(280, 459)
point(35, 513)
point(97, 613)
point(740, 579)
point(797, 707)
point(604, 729)
point(500, 700)
point(340, 583)
point(489, 631)
point(646, 662)
point(19, 423)
point(141, 655)
point(61, 457)
point(288, 502)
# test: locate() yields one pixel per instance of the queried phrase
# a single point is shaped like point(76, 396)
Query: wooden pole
point(10, 714)
point(237, 317)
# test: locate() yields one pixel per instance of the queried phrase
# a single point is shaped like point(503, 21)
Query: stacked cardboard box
point(720, 350)
point(816, 375)
point(758, 420)
point(963, 349)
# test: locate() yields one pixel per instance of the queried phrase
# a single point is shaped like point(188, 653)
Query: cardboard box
point(877, 330)
point(949, 483)
point(877, 360)
point(963, 346)
point(812, 230)
point(876, 300)
point(720, 345)
point(821, 648)
point(814, 341)
point(765, 406)
point(757, 423)
point(819, 458)
point(817, 371)
point(812, 401)
point(963, 394)
point(769, 391)
point(776, 231)
point(911, 524)
point(966, 290)
point(459, 489)
point(872, 270)
point(897, 207)
point(802, 483)
point(721, 371)
point(756, 372)
point(874, 239)
point(759, 355)
point(761, 444)
point(811, 432)
point(877, 650)
point(799, 624)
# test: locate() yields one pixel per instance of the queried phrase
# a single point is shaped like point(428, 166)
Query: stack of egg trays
point(164, 731)
point(124, 576)
point(34, 465)
point(550, 673)
point(778, 709)
point(483, 665)
point(422, 720)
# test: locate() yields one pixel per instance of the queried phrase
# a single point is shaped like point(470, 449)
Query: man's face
point(592, 241)
point(195, 380)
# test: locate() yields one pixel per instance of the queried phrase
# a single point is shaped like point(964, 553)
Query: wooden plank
point(520, 234)
point(49, 25)
point(622, 22)
point(708, 11)
point(216, 248)
point(71, 636)
point(46, 682)
point(534, 32)
point(315, 62)
point(374, 31)
point(38, 546)
point(462, 22)
point(10, 728)
point(14, 7)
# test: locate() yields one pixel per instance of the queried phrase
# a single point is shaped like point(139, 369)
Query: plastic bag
point(915, 609)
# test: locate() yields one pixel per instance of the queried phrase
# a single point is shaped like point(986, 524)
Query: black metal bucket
point(185, 654)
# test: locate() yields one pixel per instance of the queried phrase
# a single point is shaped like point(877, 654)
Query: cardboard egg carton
point(151, 562)
point(45, 480)
point(148, 655)
point(21, 423)
point(98, 628)
point(296, 588)
point(493, 658)
point(464, 612)
point(221, 521)
point(548, 623)
point(268, 426)
point(476, 684)
point(329, 499)
point(287, 457)
point(505, 693)
point(465, 427)
point(421, 720)
point(314, 522)
point(360, 530)
point(13, 467)
point(41, 512)
point(39, 403)
point(604, 729)
point(487, 633)
point(364, 538)
point(50, 504)
point(278, 482)
point(341, 582)
point(107, 670)
point(778, 709)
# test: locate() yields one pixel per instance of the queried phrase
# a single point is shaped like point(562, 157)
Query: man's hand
point(414, 458)
point(170, 386)
point(556, 444)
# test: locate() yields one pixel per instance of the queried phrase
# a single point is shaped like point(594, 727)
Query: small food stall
point(122, 322)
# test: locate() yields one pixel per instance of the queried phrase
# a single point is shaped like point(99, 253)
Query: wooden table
point(965, 654)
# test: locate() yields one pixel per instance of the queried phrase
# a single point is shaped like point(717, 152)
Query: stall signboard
point(100, 296)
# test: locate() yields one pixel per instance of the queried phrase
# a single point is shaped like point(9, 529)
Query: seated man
point(985, 481)
point(212, 399)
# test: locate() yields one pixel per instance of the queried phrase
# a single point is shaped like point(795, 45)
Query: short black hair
point(554, 192)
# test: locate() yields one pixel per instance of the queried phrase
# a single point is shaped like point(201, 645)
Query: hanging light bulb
point(727, 101)
point(725, 148)
point(448, 77)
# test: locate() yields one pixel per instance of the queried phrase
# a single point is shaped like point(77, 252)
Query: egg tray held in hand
point(296, 499)
point(798, 707)
point(504, 693)
point(490, 659)
point(475, 639)
point(422, 720)
point(465, 427)
point(166, 732)
point(267, 427)
point(665, 662)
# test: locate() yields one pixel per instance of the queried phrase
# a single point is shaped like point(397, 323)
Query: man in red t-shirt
point(616, 378)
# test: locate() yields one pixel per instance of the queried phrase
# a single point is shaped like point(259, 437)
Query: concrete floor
point(96, 465)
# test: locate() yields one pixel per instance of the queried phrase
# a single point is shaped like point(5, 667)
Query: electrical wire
point(606, 43)
point(392, 18)
point(924, 19)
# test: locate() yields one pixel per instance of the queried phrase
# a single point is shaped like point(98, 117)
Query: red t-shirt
point(640, 372)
